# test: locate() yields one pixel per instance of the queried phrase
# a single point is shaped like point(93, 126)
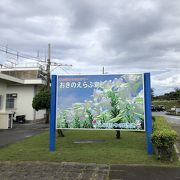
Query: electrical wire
point(64, 70)
point(7, 50)
point(15, 55)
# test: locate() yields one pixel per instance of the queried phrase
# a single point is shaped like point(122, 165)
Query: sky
point(121, 35)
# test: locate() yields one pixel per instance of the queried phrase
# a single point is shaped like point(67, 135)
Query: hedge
point(163, 138)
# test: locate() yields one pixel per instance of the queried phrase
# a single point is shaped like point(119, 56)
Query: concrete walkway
point(77, 171)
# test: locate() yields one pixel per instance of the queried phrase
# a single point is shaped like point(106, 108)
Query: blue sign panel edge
point(143, 79)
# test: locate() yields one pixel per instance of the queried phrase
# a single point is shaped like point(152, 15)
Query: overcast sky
point(121, 35)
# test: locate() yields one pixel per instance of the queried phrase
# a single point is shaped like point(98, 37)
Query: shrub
point(163, 138)
point(42, 99)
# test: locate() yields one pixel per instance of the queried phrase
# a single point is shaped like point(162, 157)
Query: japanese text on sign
point(79, 84)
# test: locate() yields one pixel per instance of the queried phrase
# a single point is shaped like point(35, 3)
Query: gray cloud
point(141, 35)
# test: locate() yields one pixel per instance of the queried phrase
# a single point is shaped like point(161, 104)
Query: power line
point(15, 53)
point(47, 63)
point(65, 70)
point(7, 50)
point(73, 71)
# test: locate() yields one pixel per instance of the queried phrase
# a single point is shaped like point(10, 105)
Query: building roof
point(22, 75)
point(15, 80)
point(20, 69)
point(11, 79)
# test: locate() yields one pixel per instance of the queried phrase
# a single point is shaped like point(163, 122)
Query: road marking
point(28, 136)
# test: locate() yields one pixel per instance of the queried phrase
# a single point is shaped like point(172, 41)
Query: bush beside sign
point(163, 138)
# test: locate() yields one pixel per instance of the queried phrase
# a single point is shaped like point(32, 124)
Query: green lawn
point(130, 149)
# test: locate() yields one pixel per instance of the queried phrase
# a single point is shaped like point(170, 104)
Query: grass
point(130, 149)
point(168, 104)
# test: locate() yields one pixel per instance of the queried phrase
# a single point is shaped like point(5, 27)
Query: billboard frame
point(147, 109)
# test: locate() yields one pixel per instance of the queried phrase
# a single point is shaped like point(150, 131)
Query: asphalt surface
point(175, 120)
point(20, 131)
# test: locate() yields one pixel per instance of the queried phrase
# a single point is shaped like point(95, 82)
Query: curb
point(177, 152)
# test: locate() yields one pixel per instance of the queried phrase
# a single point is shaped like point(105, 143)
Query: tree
point(114, 103)
point(90, 118)
point(114, 108)
point(77, 122)
point(152, 93)
point(173, 95)
point(42, 101)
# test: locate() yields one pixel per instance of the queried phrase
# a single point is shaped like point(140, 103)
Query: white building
point(18, 86)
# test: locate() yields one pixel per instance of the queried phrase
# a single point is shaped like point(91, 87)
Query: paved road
point(77, 171)
point(20, 131)
point(171, 119)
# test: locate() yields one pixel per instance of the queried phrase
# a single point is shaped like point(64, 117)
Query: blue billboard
point(100, 102)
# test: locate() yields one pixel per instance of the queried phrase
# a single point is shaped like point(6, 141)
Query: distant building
point(18, 86)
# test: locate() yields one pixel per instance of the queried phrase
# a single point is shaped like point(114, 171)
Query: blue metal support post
point(53, 114)
point(148, 114)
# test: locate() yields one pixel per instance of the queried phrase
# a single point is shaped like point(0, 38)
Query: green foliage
point(114, 98)
point(103, 117)
point(85, 124)
point(114, 111)
point(152, 93)
point(76, 122)
point(42, 99)
point(163, 137)
point(114, 103)
point(90, 118)
point(118, 118)
point(168, 104)
point(66, 125)
point(173, 95)
point(58, 123)
point(118, 115)
point(129, 113)
point(63, 119)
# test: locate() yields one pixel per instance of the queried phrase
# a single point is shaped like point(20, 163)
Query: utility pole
point(48, 65)
point(48, 78)
point(48, 72)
